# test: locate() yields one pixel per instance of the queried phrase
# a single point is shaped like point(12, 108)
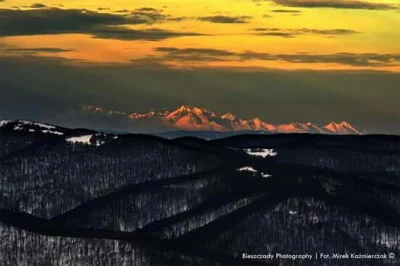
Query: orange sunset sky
point(281, 60)
point(288, 34)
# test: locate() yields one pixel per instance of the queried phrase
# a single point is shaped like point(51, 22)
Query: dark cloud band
point(99, 25)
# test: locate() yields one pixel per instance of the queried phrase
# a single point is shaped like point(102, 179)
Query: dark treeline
point(201, 202)
point(53, 177)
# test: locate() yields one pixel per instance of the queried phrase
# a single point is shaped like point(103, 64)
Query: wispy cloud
point(347, 4)
point(194, 54)
point(148, 14)
point(38, 5)
point(34, 50)
point(226, 19)
point(293, 11)
point(291, 33)
point(188, 51)
point(349, 59)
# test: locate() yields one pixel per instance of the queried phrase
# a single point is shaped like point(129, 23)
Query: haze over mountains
point(189, 118)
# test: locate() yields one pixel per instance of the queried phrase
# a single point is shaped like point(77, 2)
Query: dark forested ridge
point(80, 197)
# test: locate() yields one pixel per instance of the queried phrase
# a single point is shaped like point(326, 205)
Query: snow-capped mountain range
point(199, 119)
point(188, 118)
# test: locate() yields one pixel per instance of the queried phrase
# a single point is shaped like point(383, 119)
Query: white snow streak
point(52, 132)
point(251, 169)
point(265, 175)
point(26, 122)
point(248, 168)
point(44, 125)
point(261, 152)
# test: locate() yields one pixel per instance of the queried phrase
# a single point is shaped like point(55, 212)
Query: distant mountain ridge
point(190, 118)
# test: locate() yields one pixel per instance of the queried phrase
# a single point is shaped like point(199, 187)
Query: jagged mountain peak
point(342, 123)
point(192, 110)
point(345, 124)
point(228, 116)
point(256, 120)
point(188, 108)
point(184, 108)
point(341, 128)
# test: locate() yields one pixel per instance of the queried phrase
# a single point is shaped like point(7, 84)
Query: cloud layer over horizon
point(280, 60)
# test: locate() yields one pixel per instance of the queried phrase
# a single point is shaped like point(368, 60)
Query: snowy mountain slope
point(31, 126)
point(72, 136)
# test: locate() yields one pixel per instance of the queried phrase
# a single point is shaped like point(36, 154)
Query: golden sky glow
point(268, 28)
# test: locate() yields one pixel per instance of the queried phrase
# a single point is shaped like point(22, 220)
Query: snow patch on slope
point(248, 169)
point(53, 132)
point(261, 152)
point(4, 122)
point(253, 170)
point(27, 122)
point(85, 139)
point(265, 175)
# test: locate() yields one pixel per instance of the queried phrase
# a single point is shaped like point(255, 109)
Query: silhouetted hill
point(90, 198)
